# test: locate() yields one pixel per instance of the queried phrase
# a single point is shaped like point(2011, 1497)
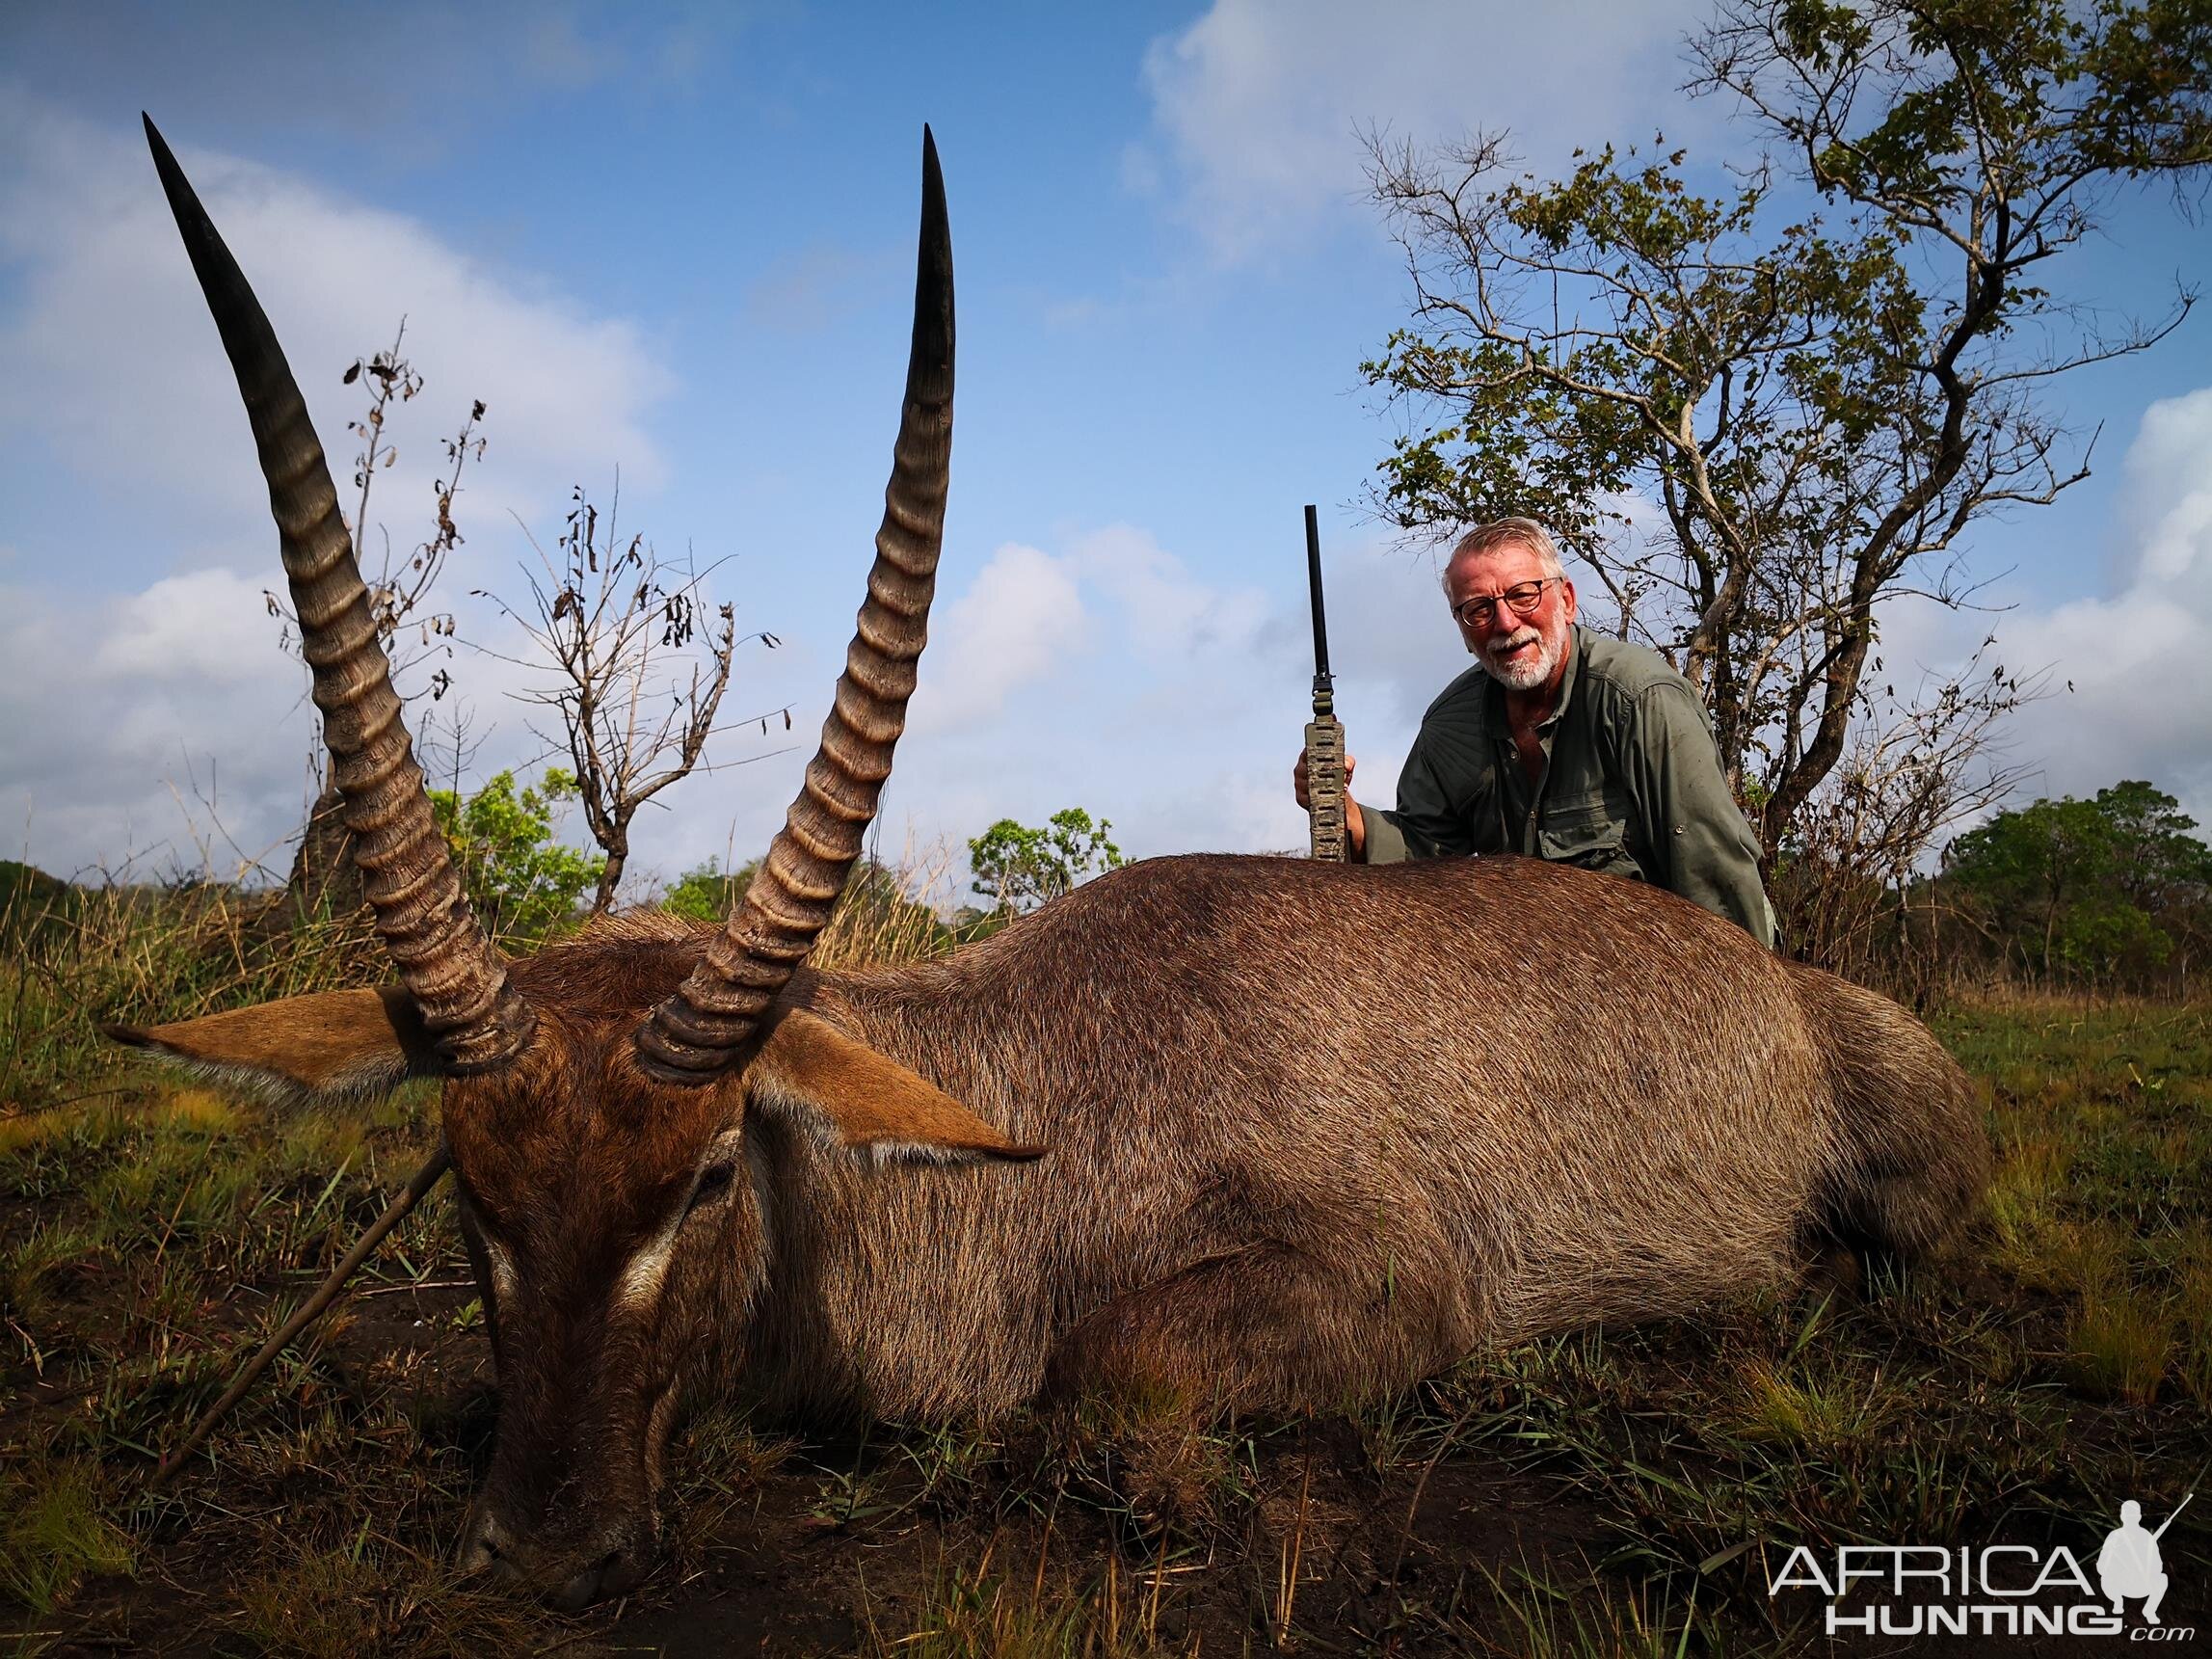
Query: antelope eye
point(713, 1182)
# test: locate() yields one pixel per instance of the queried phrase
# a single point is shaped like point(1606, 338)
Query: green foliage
point(1704, 291)
point(522, 883)
point(1022, 868)
point(2098, 889)
point(706, 893)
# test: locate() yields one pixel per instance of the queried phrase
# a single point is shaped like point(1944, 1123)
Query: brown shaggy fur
point(1314, 1132)
point(1310, 1132)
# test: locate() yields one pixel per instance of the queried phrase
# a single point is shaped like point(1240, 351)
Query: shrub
point(521, 882)
point(1022, 868)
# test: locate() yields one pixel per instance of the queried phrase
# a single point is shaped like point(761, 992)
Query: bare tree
point(641, 659)
point(323, 879)
point(1918, 766)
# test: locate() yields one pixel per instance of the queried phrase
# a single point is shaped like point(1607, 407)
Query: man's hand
point(1355, 826)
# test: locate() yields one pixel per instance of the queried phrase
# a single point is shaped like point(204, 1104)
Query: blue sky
point(675, 243)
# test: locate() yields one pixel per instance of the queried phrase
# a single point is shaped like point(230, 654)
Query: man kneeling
point(1562, 744)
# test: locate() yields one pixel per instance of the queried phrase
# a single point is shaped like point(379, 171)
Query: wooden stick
point(312, 1309)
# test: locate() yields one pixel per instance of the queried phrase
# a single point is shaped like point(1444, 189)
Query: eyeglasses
point(1523, 596)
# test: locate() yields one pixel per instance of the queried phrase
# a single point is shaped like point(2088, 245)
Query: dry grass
point(137, 955)
point(1545, 1620)
point(972, 1613)
point(367, 1596)
point(2120, 1342)
point(1817, 1410)
point(889, 915)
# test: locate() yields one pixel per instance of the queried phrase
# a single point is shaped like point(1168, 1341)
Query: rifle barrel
point(1321, 675)
point(2168, 1520)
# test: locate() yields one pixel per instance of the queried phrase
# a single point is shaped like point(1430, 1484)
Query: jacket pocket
point(1590, 830)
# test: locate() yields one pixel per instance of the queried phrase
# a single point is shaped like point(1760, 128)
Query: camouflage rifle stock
point(1324, 737)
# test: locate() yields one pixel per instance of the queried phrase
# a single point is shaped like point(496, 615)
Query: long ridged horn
point(456, 976)
point(695, 1032)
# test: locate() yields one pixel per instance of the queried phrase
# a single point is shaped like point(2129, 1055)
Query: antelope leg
point(1266, 1325)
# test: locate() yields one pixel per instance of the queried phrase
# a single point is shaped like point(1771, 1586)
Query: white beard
point(1530, 669)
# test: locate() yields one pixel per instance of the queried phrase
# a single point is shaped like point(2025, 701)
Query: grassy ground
point(1609, 1492)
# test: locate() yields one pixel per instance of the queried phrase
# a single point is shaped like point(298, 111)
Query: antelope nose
point(487, 1548)
point(579, 1593)
point(615, 1574)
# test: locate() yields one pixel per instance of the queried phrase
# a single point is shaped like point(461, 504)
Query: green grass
point(1540, 1618)
point(2103, 1193)
point(31, 1267)
point(54, 1533)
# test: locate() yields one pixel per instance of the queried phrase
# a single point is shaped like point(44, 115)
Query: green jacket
point(1630, 786)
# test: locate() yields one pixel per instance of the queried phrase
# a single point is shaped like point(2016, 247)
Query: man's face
point(1520, 652)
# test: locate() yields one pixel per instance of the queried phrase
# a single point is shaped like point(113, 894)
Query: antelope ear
point(329, 1047)
point(874, 1104)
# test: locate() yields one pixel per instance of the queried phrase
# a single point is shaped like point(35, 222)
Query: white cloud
point(121, 710)
point(2139, 661)
point(1037, 623)
point(1171, 615)
point(1105, 674)
point(2170, 494)
point(113, 366)
point(1390, 636)
point(208, 626)
point(2126, 675)
point(1257, 105)
point(1109, 675)
point(167, 727)
point(1022, 617)
point(145, 668)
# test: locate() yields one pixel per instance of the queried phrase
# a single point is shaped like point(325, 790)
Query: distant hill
point(29, 897)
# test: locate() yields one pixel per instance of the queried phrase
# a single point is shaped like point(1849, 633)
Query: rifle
point(1324, 737)
point(2169, 1522)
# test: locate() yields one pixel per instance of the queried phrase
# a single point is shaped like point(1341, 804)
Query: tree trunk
point(610, 875)
point(324, 881)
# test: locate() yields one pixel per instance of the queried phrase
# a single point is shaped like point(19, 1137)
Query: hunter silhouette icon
point(2129, 1564)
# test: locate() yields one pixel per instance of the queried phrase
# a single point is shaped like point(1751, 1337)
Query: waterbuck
point(1250, 1132)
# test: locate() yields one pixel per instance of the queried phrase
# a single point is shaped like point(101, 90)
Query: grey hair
point(1509, 532)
